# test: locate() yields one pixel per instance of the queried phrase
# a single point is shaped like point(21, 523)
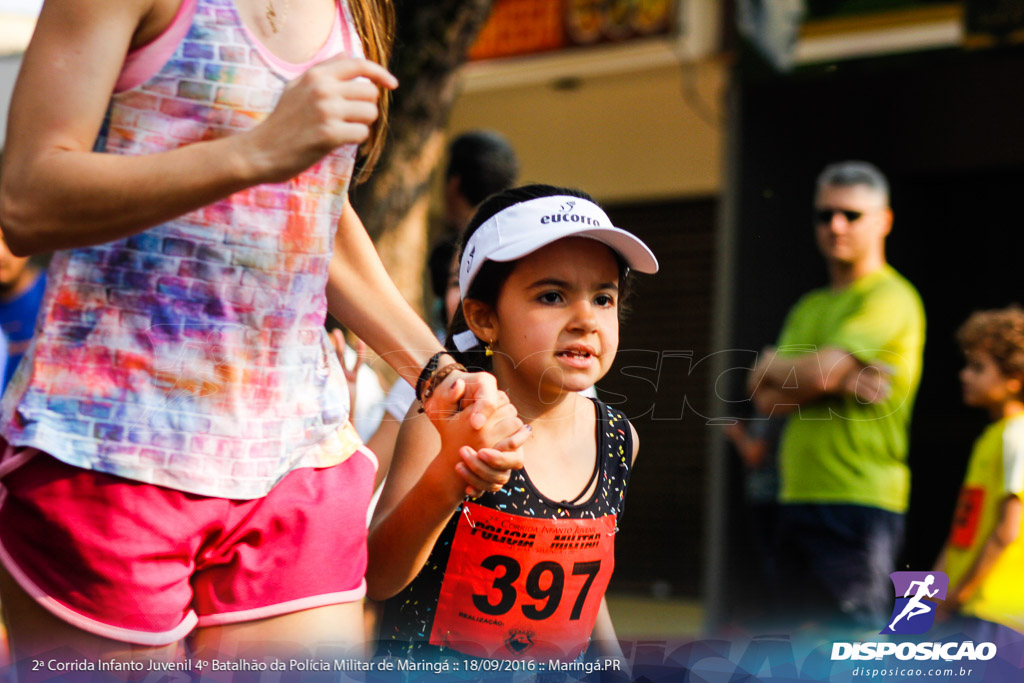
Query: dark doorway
point(660, 384)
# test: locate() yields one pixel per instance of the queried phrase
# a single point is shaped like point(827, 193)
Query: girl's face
point(984, 385)
point(556, 326)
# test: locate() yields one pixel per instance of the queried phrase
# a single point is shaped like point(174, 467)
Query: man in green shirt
point(846, 371)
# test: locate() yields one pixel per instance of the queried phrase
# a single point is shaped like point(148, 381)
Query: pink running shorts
point(146, 564)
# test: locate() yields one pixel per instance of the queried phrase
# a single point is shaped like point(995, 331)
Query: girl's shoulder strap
point(615, 456)
point(616, 439)
point(614, 426)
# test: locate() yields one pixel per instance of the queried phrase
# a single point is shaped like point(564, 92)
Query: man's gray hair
point(848, 173)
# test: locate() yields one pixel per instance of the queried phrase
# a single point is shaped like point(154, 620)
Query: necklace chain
point(276, 24)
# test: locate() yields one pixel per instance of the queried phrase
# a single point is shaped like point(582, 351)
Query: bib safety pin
point(469, 520)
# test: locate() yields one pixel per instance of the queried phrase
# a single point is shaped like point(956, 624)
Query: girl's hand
point(330, 105)
point(487, 469)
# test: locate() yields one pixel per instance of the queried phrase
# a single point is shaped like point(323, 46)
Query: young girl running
point(178, 454)
point(520, 571)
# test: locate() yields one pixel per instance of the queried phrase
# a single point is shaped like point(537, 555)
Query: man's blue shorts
point(834, 563)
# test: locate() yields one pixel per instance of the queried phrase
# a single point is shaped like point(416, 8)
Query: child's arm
point(1006, 531)
point(606, 642)
point(427, 482)
point(636, 443)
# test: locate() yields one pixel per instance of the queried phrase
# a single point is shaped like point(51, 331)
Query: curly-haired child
point(984, 554)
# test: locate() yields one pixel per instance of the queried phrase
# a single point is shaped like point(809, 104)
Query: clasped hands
point(480, 430)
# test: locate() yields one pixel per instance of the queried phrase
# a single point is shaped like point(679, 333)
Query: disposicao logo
point(913, 614)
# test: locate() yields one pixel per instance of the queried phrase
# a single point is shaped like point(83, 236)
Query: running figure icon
point(915, 606)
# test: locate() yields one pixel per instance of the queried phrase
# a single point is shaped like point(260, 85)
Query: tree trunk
point(431, 43)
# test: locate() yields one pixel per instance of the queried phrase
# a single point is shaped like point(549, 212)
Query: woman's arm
point(426, 483)
point(361, 293)
point(57, 193)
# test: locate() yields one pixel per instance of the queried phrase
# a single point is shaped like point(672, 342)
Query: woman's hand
point(330, 105)
point(478, 424)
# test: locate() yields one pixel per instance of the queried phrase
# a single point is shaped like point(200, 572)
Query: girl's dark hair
point(486, 286)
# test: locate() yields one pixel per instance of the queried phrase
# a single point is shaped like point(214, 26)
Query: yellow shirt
point(995, 471)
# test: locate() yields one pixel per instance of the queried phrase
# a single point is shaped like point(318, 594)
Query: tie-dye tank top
point(193, 355)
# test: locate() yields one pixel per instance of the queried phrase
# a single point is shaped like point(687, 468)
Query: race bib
point(968, 512)
point(523, 588)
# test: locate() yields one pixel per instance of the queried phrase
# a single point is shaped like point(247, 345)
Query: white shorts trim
point(88, 624)
point(371, 456)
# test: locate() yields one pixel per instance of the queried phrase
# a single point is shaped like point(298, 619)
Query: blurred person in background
point(756, 442)
point(365, 393)
point(773, 26)
point(847, 369)
point(22, 284)
point(480, 163)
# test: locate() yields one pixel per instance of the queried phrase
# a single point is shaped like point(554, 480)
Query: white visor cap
point(523, 228)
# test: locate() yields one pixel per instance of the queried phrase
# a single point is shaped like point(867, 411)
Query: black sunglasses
point(825, 215)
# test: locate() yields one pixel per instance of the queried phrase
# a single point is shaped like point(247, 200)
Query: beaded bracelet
point(437, 378)
point(440, 376)
point(429, 369)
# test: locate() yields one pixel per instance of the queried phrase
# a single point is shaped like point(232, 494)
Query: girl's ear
point(1014, 386)
point(480, 318)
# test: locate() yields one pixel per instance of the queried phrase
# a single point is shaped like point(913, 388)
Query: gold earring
point(488, 351)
